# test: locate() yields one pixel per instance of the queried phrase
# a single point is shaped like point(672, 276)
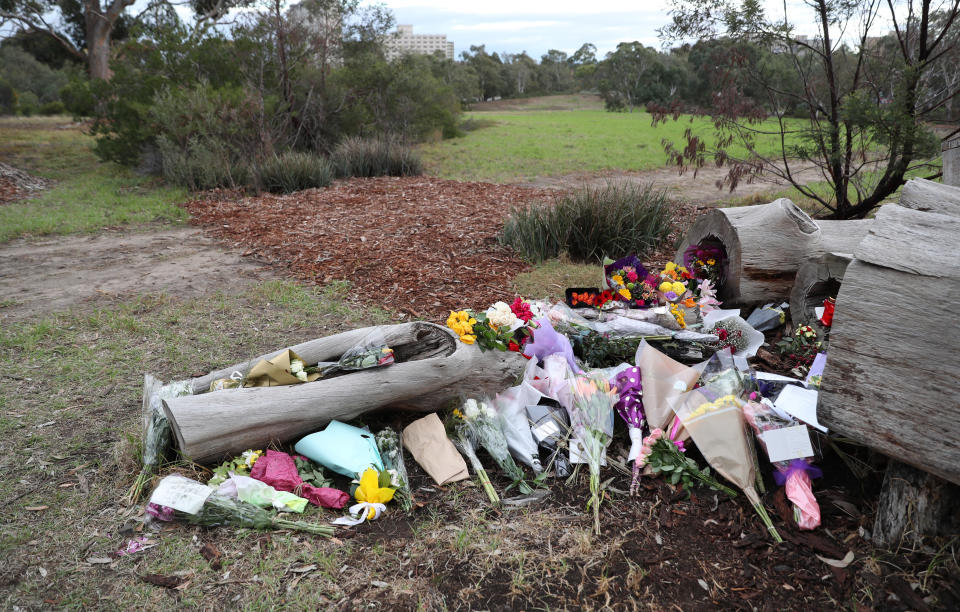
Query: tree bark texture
point(892, 375)
point(816, 280)
point(210, 426)
point(914, 504)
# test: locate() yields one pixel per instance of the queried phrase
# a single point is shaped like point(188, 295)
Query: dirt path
point(699, 189)
point(38, 276)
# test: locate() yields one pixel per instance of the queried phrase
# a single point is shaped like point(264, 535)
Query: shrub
point(375, 157)
point(293, 171)
point(590, 223)
point(8, 98)
point(53, 108)
point(202, 165)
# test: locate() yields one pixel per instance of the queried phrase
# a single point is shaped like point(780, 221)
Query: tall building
point(404, 41)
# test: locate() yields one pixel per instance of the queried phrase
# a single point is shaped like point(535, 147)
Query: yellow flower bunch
point(462, 324)
point(624, 292)
point(678, 315)
point(722, 402)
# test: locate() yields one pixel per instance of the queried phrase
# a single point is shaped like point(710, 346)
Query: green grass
point(87, 195)
point(528, 144)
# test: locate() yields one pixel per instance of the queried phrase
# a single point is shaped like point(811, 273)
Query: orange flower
point(689, 302)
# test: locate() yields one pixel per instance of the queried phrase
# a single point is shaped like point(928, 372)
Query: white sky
point(535, 26)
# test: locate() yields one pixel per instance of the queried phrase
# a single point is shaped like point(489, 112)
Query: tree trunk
point(914, 504)
point(98, 45)
point(433, 369)
point(892, 372)
point(766, 244)
point(924, 195)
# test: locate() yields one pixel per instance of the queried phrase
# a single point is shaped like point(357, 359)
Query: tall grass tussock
point(294, 171)
point(590, 223)
point(367, 157)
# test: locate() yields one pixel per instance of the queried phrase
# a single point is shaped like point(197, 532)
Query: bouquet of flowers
point(590, 417)
point(371, 352)
point(795, 475)
point(462, 436)
point(625, 278)
point(716, 426)
point(802, 347)
point(239, 466)
point(484, 427)
point(502, 327)
point(373, 491)
point(630, 409)
point(156, 435)
point(219, 510)
point(733, 333)
point(595, 299)
point(705, 261)
point(665, 456)
point(391, 452)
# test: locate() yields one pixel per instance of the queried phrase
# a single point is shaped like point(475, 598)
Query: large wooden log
point(816, 280)
point(914, 504)
point(892, 375)
point(927, 196)
point(766, 244)
point(210, 426)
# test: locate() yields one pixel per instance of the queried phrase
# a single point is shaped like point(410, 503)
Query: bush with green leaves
point(201, 164)
point(614, 220)
point(366, 157)
point(293, 171)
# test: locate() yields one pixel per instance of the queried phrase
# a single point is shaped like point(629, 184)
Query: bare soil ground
point(38, 276)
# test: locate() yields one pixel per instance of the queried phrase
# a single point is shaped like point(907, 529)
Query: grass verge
point(87, 195)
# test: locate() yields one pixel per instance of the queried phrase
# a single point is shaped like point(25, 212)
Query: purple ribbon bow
point(797, 465)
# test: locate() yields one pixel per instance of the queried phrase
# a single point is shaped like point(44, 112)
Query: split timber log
point(927, 196)
point(914, 504)
point(766, 244)
point(892, 375)
point(432, 368)
point(816, 280)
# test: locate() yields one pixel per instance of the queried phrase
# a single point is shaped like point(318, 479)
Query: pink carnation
point(522, 310)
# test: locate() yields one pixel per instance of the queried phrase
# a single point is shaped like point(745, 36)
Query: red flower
point(513, 346)
point(522, 310)
point(722, 334)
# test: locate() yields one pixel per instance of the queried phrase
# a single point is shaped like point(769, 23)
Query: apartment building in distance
point(404, 41)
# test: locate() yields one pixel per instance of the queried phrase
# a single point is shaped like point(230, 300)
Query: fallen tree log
point(892, 374)
point(765, 245)
point(432, 368)
point(914, 504)
point(927, 196)
point(816, 280)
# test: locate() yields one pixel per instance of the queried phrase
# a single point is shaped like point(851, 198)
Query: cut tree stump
point(892, 376)
point(766, 244)
point(914, 504)
point(927, 196)
point(432, 368)
point(816, 281)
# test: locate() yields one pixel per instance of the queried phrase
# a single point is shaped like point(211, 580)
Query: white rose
point(301, 375)
point(500, 315)
point(470, 409)
point(487, 411)
point(296, 366)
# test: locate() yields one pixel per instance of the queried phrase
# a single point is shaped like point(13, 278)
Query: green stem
point(766, 521)
point(595, 501)
point(714, 484)
point(321, 530)
point(485, 481)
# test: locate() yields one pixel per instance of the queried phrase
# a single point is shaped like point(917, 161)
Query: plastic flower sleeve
point(591, 418)
point(547, 341)
point(391, 452)
point(372, 351)
point(511, 409)
point(550, 426)
point(156, 428)
point(663, 379)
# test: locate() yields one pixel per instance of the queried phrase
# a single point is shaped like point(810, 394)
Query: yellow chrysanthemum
point(665, 286)
point(625, 293)
point(670, 266)
point(678, 288)
point(617, 279)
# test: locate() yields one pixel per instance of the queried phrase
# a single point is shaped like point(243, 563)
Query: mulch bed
point(15, 184)
point(418, 245)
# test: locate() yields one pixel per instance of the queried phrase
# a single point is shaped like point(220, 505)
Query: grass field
point(88, 195)
point(527, 144)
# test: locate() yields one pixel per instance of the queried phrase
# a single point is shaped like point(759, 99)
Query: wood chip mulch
point(15, 184)
point(419, 245)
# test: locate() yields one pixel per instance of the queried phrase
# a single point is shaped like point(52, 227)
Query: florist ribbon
point(363, 509)
point(796, 466)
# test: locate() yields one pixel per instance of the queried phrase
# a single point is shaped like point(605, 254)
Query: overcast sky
point(535, 26)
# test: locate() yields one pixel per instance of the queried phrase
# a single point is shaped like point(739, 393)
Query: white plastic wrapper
point(511, 410)
point(753, 337)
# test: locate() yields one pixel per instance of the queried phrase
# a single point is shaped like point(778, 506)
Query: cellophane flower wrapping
point(796, 477)
point(485, 427)
point(219, 510)
point(663, 380)
point(592, 424)
point(156, 428)
point(510, 406)
point(630, 408)
point(371, 352)
point(391, 452)
point(463, 437)
point(715, 423)
point(278, 470)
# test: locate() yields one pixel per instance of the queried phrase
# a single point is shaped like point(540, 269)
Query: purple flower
point(162, 513)
point(670, 295)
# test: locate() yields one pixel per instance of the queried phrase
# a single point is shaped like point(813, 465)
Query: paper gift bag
point(343, 448)
point(427, 441)
point(276, 372)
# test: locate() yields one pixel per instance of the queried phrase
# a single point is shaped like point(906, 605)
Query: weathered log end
point(816, 281)
point(928, 196)
point(913, 505)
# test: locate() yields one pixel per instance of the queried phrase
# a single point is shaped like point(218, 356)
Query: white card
point(544, 430)
point(181, 494)
point(801, 404)
point(787, 443)
point(577, 456)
